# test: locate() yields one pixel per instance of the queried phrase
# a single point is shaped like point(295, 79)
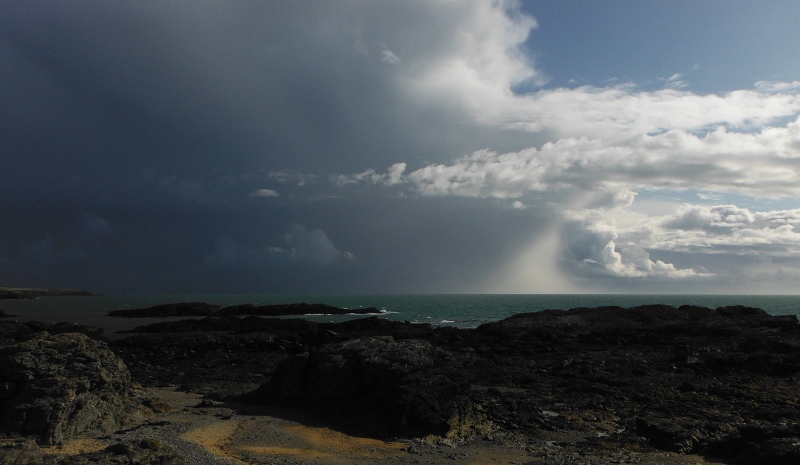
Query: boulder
point(146, 451)
point(23, 451)
point(405, 388)
point(17, 451)
point(60, 386)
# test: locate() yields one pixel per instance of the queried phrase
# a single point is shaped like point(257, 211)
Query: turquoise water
point(453, 310)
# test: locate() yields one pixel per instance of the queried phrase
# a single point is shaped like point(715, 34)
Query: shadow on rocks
point(375, 386)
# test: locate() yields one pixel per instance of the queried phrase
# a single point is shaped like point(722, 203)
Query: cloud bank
point(169, 147)
point(610, 144)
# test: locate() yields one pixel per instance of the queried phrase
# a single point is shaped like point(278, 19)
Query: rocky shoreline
point(650, 384)
point(205, 309)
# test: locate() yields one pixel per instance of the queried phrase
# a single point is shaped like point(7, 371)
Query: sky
point(423, 146)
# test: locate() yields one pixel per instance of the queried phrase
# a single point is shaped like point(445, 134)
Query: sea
point(459, 310)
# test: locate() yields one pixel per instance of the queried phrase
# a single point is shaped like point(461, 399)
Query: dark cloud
point(154, 146)
point(257, 147)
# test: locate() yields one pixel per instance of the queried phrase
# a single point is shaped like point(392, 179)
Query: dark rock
point(740, 311)
point(5, 315)
point(168, 310)
point(675, 434)
point(23, 451)
point(691, 379)
point(157, 405)
point(146, 451)
point(402, 388)
point(241, 309)
point(315, 332)
point(14, 331)
point(758, 443)
point(249, 324)
point(208, 363)
point(22, 331)
point(378, 326)
point(61, 328)
point(205, 309)
point(211, 323)
point(59, 386)
point(347, 369)
point(777, 451)
point(293, 309)
point(252, 324)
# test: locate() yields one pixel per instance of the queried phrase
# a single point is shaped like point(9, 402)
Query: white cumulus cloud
point(590, 243)
point(761, 164)
point(778, 86)
point(711, 229)
point(394, 175)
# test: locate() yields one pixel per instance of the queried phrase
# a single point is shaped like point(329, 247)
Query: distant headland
point(13, 293)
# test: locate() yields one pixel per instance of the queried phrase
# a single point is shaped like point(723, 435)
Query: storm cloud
point(371, 146)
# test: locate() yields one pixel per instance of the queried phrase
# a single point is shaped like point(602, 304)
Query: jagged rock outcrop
point(57, 387)
point(403, 388)
point(721, 382)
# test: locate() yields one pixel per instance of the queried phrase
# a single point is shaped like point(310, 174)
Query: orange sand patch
point(76, 446)
point(323, 442)
point(293, 451)
point(214, 436)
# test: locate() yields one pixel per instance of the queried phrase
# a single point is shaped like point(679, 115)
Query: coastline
point(16, 293)
point(462, 311)
point(653, 384)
